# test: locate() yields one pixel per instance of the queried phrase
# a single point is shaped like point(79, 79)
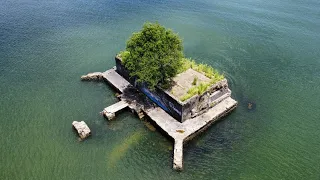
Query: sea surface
point(268, 50)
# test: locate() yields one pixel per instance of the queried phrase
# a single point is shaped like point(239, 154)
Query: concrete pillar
point(109, 115)
point(178, 155)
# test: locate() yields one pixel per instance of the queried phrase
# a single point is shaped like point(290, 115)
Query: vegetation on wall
point(207, 70)
point(202, 68)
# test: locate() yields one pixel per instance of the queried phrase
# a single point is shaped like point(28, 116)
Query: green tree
point(153, 54)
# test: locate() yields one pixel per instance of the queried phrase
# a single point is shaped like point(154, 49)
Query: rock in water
point(82, 128)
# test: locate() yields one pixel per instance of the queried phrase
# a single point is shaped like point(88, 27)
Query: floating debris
point(180, 130)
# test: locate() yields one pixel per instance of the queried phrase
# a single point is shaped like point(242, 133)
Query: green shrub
point(194, 82)
point(153, 54)
point(202, 88)
point(196, 90)
point(207, 70)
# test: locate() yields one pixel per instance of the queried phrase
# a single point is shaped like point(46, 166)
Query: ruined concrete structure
point(180, 120)
point(170, 101)
point(82, 129)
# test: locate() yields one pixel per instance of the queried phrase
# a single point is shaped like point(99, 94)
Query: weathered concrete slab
point(164, 121)
point(221, 109)
point(111, 76)
point(182, 132)
point(115, 79)
point(178, 155)
point(110, 111)
point(183, 82)
point(82, 128)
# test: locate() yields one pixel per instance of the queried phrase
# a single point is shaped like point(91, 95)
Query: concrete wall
point(162, 99)
point(181, 111)
point(201, 103)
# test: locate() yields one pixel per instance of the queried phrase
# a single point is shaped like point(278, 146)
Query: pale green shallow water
point(268, 50)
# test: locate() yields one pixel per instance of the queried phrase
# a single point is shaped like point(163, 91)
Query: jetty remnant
point(181, 120)
point(92, 76)
point(110, 111)
point(82, 128)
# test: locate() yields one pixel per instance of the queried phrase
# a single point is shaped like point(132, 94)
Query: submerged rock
point(150, 126)
point(251, 106)
point(82, 128)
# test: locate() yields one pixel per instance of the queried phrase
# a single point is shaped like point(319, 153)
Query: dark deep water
point(268, 50)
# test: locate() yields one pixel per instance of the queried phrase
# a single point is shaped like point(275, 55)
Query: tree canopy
point(153, 54)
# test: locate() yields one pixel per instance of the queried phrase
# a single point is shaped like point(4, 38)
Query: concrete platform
point(116, 80)
point(111, 76)
point(180, 132)
point(110, 111)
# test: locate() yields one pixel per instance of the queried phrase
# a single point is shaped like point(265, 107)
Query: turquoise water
point(268, 50)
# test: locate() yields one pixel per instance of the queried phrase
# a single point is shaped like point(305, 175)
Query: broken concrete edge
point(82, 129)
point(219, 84)
point(110, 111)
point(92, 76)
point(180, 141)
point(214, 120)
point(110, 116)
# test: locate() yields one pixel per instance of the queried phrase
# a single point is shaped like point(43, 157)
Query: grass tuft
point(205, 69)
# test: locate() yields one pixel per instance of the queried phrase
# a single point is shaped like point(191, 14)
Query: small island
point(156, 81)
